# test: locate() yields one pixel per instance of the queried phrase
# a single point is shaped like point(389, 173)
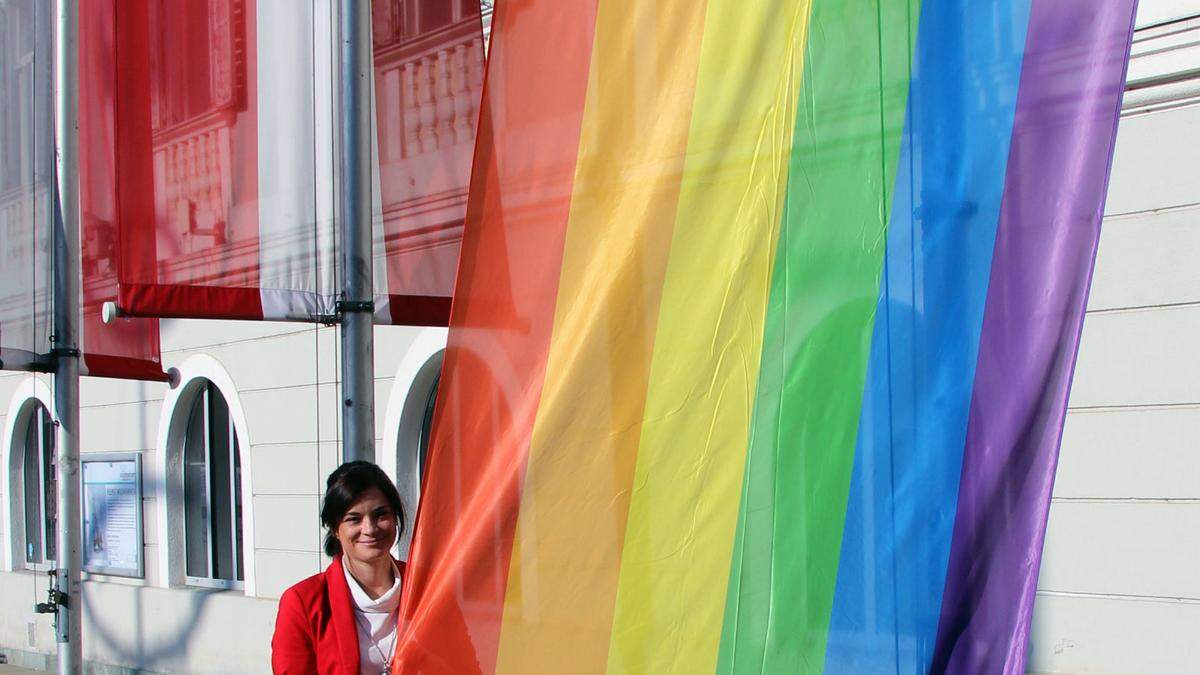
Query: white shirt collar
point(384, 604)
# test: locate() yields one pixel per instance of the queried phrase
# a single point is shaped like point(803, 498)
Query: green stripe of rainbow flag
point(756, 320)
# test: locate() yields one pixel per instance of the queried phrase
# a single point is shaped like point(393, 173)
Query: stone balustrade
point(193, 179)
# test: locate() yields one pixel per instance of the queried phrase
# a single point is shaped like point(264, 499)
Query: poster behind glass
point(112, 515)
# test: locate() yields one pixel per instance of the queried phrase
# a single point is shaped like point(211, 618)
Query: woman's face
point(368, 529)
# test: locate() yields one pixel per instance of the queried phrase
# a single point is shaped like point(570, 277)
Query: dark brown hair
point(346, 485)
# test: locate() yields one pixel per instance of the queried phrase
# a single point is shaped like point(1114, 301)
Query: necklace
point(361, 599)
point(386, 658)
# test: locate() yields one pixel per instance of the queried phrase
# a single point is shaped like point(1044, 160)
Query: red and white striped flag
point(224, 140)
point(128, 348)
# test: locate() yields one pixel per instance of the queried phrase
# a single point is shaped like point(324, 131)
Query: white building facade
point(250, 429)
point(1119, 590)
point(279, 384)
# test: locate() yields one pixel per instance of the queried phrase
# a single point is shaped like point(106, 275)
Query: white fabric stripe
point(290, 185)
point(300, 245)
point(292, 305)
point(378, 247)
point(325, 78)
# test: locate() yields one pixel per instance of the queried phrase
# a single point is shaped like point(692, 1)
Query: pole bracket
point(346, 306)
point(55, 599)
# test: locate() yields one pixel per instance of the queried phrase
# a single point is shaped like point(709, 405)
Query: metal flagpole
point(69, 610)
point(357, 305)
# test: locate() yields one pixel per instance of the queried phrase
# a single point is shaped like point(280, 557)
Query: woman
point(344, 619)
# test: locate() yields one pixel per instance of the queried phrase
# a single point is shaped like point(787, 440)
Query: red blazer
point(315, 630)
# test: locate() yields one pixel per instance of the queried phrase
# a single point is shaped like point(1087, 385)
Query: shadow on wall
point(129, 626)
point(159, 629)
point(136, 639)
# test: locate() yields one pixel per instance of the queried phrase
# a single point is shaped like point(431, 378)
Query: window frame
point(37, 414)
point(407, 405)
point(27, 392)
point(426, 430)
point(189, 376)
point(203, 401)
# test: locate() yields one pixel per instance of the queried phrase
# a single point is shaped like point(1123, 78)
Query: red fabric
point(126, 348)
point(201, 302)
point(315, 630)
point(133, 174)
point(500, 326)
point(428, 77)
point(184, 251)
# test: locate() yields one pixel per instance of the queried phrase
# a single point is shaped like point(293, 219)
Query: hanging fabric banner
point(429, 60)
point(762, 336)
point(127, 348)
point(226, 160)
point(124, 345)
point(26, 172)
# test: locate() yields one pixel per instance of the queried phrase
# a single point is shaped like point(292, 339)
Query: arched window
point(206, 515)
point(409, 420)
point(427, 425)
point(212, 493)
point(40, 497)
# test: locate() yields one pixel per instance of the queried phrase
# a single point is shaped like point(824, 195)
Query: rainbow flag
point(762, 335)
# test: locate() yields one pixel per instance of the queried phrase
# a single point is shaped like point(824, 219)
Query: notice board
point(112, 514)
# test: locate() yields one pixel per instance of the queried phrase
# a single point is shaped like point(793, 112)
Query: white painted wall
point(281, 380)
point(1155, 11)
point(1119, 590)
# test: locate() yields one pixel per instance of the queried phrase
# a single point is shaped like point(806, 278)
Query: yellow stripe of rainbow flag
point(684, 509)
point(581, 459)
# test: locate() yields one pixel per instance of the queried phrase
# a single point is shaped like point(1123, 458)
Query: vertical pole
point(357, 306)
point(69, 615)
